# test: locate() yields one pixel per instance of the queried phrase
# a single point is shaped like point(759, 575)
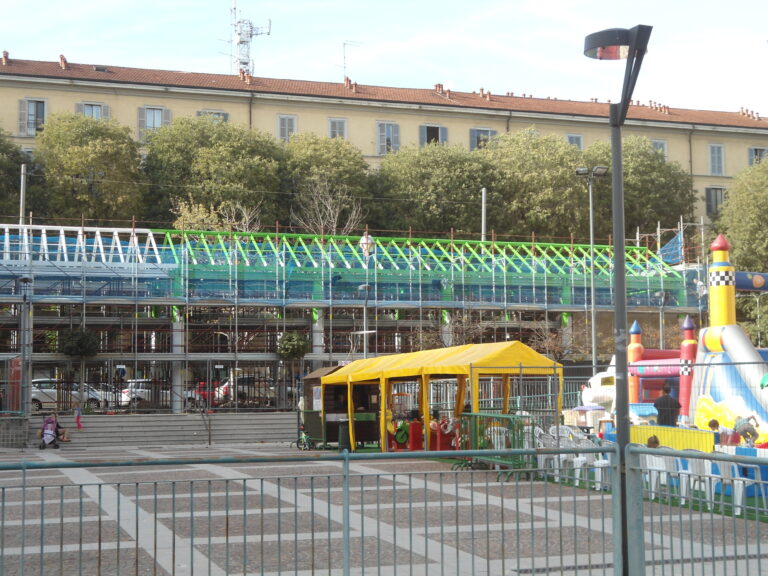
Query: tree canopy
point(204, 162)
point(655, 191)
point(327, 179)
point(434, 188)
point(92, 170)
point(201, 173)
point(11, 159)
point(742, 216)
point(533, 185)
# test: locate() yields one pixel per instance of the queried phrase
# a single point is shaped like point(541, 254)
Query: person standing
point(367, 244)
point(667, 407)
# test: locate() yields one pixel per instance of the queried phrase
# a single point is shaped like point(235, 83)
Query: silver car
point(52, 394)
point(145, 392)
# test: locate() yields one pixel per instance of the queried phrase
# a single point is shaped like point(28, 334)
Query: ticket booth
point(361, 407)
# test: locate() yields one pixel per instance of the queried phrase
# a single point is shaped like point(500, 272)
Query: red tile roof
point(436, 96)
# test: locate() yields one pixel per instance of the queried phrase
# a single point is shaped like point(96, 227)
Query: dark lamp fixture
point(596, 171)
point(611, 44)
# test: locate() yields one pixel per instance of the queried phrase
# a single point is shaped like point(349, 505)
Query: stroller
point(49, 433)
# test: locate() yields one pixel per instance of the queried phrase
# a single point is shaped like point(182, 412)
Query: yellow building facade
point(712, 146)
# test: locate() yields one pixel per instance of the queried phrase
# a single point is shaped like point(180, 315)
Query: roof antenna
point(346, 43)
point(242, 32)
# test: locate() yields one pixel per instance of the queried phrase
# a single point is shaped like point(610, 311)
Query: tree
point(741, 221)
point(217, 165)
point(79, 343)
point(655, 191)
point(325, 211)
point(229, 215)
point(11, 159)
point(532, 187)
point(434, 188)
point(291, 347)
point(741, 218)
point(92, 170)
point(328, 180)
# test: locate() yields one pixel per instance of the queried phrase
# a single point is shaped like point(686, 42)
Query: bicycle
point(304, 442)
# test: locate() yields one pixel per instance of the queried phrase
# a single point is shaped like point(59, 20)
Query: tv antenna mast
point(242, 32)
point(352, 43)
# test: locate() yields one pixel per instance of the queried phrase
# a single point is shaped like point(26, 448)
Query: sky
point(702, 54)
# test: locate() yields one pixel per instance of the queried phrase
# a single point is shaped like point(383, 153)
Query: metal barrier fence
point(402, 513)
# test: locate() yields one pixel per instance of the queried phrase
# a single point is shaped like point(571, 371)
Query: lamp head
point(611, 44)
point(582, 171)
point(600, 170)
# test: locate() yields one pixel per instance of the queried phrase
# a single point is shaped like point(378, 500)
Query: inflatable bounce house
point(721, 376)
point(730, 382)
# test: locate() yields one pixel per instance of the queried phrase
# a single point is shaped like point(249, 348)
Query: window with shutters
point(31, 116)
point(479, 137)
point(757, 155)
point(92, 110)
point(152, 118)
point(432, 135)
point(388, 137)
point(660, 145)
point(716, 163)
point(286, 125)
point(337, 128)
point(576, 140)
point(216, 115)
point(714, 197)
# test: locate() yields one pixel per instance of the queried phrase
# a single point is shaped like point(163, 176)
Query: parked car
point(50, 393)
point(145, 392)
point(212, 394)
point(108, 394)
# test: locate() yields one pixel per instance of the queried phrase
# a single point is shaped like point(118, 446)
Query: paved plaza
point(403, 516)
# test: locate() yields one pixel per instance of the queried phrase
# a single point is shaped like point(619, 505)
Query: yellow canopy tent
point(471, 361)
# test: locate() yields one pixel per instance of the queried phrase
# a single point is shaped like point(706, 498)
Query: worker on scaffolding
point(367, 245)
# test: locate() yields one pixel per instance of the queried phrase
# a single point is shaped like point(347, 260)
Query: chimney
point(488, 95)
point(482, 93)
point(248, 78)
point(354, 87)
point(5, 57)
point(63, 62)
point(347, 82)
point(242, 74)
point(448, 93)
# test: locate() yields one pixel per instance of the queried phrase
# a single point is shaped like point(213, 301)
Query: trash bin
point(344, 436)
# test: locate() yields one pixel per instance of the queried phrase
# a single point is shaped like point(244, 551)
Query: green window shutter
point(142, 121)
point(22, 117)
point(443, 134)
point(166, 116)
point(395, 137)
point(105, 111)
point(79, 108)
point(422, 135)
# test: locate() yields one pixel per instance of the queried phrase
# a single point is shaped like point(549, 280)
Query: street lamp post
point(615, 44)
point(367, 289)
point(482, 213)
point(595, 172)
